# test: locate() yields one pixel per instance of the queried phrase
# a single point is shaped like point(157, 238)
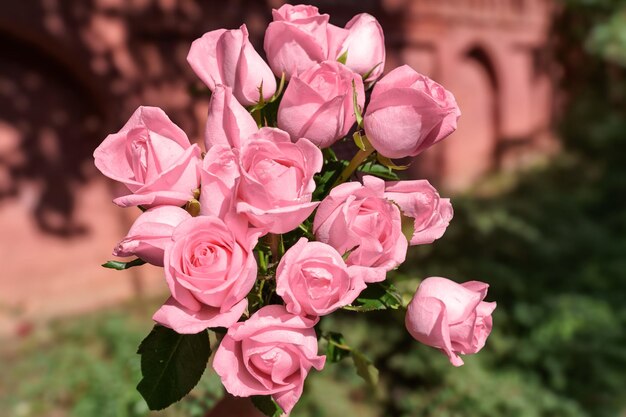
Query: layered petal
point(419, 200)
point(182, 320)
point(228, 123)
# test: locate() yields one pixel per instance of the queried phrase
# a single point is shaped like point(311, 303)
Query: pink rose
point(420, 201)
point(358, 218)
point(365, 45)
point(228, 123)
point(227, 57)
point(314, 280)
point(153, 158)
point(318, 103)
point(209, 267)
point(276, 183)
point(451, 317)
point(150, 233)
point(299, 37)
point(408, 113)
point(271, 353)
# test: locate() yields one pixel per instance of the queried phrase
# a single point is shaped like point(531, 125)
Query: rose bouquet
point(271, 229)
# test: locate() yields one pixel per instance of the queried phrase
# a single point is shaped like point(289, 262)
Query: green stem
point(339, 345)
point(353, 165)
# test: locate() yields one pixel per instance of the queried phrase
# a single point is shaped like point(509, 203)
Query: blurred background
point(537, 171)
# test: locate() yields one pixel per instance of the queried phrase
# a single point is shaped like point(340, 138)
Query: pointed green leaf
point(343, 58)
point(267, 405)
point(365, 368)
point(120, 266)
point(379, 171)
point(368, 73)
point(377, 296)
point(389, 163)
point(261, 98)
point(171, 365)
point(358, 140)
point(357, 108)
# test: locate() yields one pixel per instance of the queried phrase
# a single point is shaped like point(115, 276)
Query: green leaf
point(324, 181)
point(377, 296)
point(368, 73)
point(120, 266)
point(365, 368)
point(343, 58)
point(267, 405)
point(355, 104)
point(359, 140)
point(379, 171)
point(389, 163)
point(171, 365)
point(329, 154)
point(336, 349)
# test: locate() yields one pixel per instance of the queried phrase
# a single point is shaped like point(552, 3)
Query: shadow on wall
point(49, 122)
point(73, 71)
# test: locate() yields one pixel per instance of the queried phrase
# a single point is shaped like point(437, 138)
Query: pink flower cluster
point(257, 179)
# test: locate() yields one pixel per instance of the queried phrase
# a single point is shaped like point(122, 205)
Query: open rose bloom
point(263, 231)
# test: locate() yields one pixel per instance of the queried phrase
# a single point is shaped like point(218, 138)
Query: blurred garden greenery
point(551, 243)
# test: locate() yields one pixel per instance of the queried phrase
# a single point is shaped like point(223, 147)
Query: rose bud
point(299, 37)
point(153, 158)
point(276, 183)
point(150, 233)
point(228, 122)
point(271, 353)
point(408, 113)
point(365, 46)
point(358, 220)
point(318, 103)
point(314, 280)
point(209, 268)
point(227, 57)
point(450, 317)
point(420, 201)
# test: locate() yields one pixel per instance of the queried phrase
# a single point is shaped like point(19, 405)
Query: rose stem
point(358, 159)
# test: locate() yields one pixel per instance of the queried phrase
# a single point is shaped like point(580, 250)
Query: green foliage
point(171, 364)
point(87, 366)
point(365, 368)
point(377, 296)
point(120, 265)
point(336, 348)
